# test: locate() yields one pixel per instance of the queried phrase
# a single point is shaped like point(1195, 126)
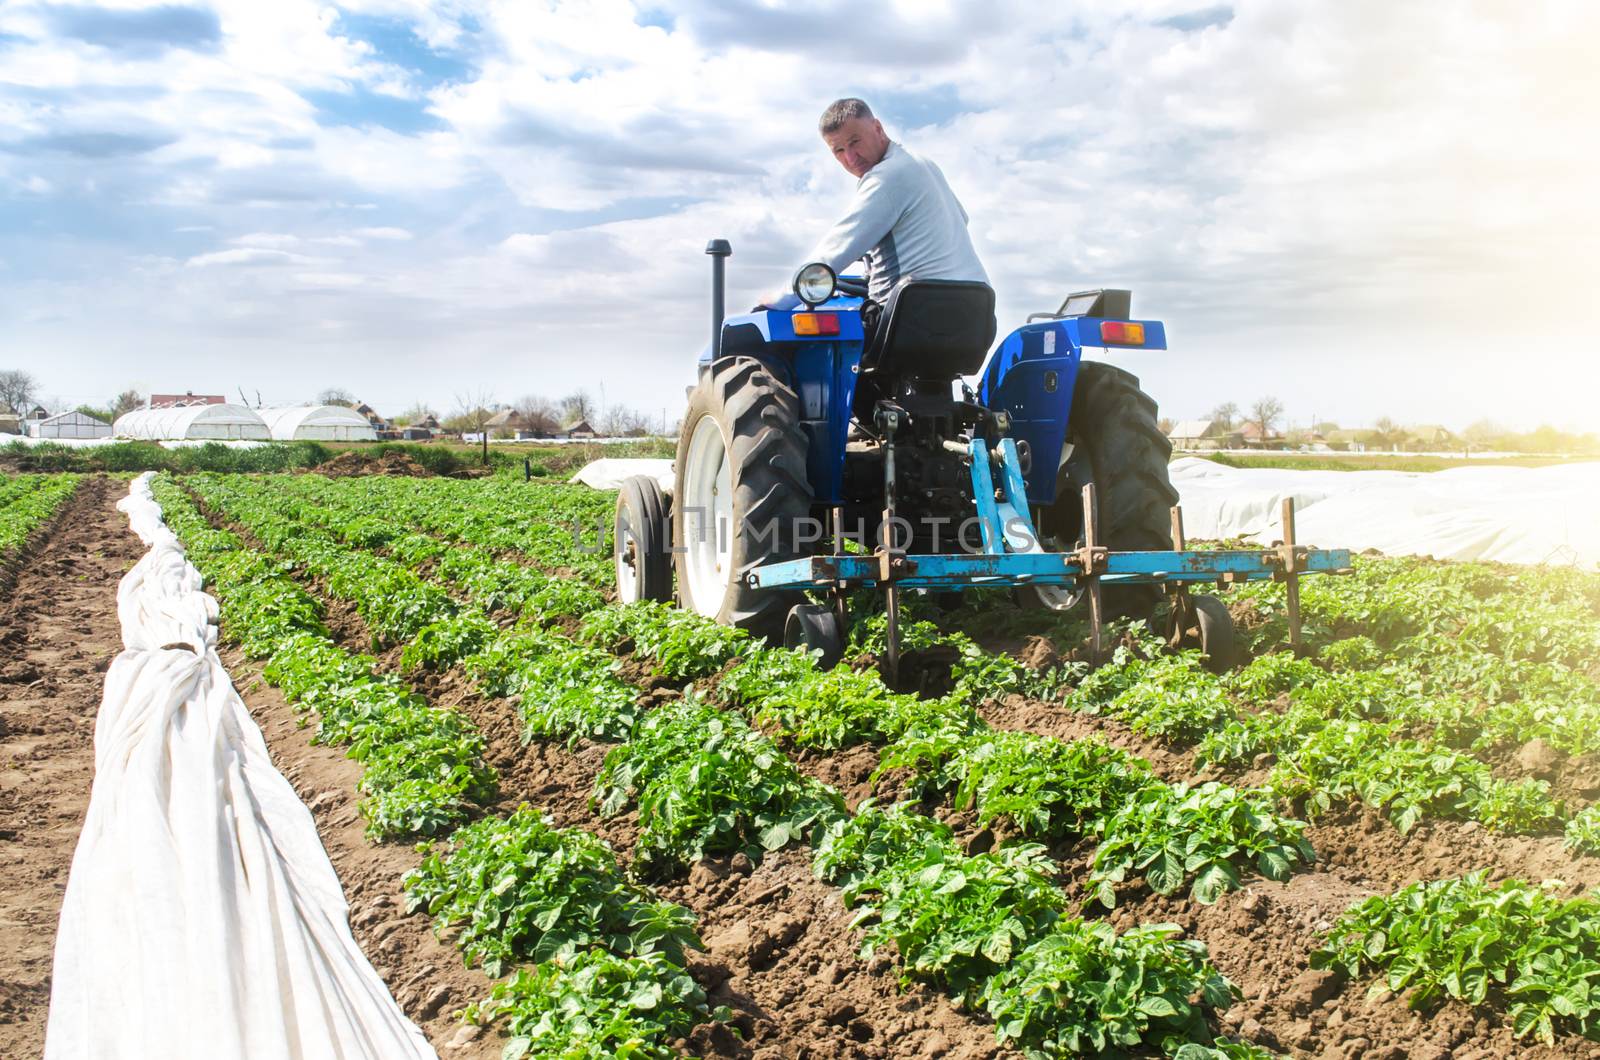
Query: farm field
point(599, 828)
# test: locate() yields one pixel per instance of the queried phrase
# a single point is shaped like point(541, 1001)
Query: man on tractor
point(904, 219)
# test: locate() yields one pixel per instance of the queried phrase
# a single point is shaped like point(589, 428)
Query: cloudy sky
point(1364, 208)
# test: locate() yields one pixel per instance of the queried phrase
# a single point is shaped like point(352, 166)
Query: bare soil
point(58, 635)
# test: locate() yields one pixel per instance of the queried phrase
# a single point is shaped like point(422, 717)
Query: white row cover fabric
point(202, 917)
point(608, 473)
point(91, 443)
point(1507, 514)
point(320, 423)
point(192, 421)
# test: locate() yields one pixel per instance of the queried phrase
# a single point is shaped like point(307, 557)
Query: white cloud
point(386, 232)
point(247, 256)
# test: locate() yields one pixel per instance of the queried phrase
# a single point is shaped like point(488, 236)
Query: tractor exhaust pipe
point(719, 249)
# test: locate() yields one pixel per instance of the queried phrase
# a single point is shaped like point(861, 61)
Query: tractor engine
point(933, 485)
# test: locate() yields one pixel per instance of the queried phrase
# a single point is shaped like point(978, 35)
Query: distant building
point(580, 429)
point(70, 425)
point(1431, 436)
point(1255, 438)
point(377, 421)
point(10, 423)
point(1197, 434)
point(188, 397)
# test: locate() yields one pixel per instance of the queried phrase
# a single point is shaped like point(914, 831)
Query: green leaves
point(682, 644)
point(593, 1005)
point(26, 503)
point(705, 783)
point(993, 928)
point(518, 889)
point(1082, 989)
point(1456, 938)
point(1173, 835)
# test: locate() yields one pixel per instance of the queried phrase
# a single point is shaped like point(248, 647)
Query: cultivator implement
point(1011, 556)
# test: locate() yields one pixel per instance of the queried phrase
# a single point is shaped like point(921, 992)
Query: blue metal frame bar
point(1041, 568)
point(983, 494)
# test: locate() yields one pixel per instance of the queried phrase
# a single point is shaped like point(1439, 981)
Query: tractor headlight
point(814, 283)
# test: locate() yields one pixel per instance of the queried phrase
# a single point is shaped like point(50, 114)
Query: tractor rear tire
point(1112, 441)
point(742, 497)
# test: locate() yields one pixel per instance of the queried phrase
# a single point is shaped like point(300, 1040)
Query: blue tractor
point(829, 448)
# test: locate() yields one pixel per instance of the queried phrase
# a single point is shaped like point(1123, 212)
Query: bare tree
point(125, 403)
point(620, 421)
point(1264, 412)
point(538, 414)
point(336, 395)
point(1224, 415)
point(576, 406)
point(473, 411)
point(18, 390)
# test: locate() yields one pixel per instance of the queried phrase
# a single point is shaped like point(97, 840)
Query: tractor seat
point(932, 329)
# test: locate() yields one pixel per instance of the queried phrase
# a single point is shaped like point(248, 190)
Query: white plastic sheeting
point(202, 917)
point(1506, 514)
point(608, 473)
point(192, 421)
point(74, 425)
point(321, 423)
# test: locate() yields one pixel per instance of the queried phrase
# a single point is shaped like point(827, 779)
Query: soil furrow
point(58, 634)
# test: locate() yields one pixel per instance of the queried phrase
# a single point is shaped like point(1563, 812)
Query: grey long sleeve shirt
point(906, 222)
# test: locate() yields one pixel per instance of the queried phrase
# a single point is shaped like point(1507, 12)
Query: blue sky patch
point(1203, 18)
point(914, 109)
point(362, 108)
point(394, 42)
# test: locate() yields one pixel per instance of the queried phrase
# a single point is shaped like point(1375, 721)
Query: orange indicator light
point(816, 323)
point(1123, 333)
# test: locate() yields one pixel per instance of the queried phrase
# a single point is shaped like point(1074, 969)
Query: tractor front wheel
point(742, 498)
point(1112, 441)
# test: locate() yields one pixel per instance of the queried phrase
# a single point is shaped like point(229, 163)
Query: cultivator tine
point(1093, 558)
point(891, 614)
point(1182, 607)
point(1291, 573)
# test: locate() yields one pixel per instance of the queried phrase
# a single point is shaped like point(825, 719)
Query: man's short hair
point(841, 111)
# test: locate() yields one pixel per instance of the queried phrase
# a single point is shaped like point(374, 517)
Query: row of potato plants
point(705, 783)
point(1503, 654)
point(596, 962)
point(994, 929)
point(1167, 836)
point(27, 502)
point(1342, 734)
point(1472, 941)
point(422, 767)
point(560, 527)
point(1348, 728)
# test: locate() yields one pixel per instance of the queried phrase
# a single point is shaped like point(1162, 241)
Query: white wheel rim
point(707, 518)
point(630, 562)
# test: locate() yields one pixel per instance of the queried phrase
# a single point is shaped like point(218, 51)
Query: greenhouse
point(70, 425)
point(199, 422)
point(321, 423)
